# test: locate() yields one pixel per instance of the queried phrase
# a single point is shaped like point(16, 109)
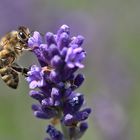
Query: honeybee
point(11, 47)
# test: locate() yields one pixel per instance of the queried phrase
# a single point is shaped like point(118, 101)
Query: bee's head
point(23, 34)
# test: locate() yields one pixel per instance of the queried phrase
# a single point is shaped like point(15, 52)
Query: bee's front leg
point(26, 48)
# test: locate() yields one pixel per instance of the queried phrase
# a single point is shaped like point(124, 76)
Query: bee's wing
point(10, 77)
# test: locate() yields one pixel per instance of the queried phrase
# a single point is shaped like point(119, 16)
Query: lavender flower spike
point(53, 84)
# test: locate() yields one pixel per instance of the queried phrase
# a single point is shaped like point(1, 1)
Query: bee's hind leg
point(20, 69)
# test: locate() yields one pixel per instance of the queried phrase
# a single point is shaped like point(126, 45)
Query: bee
point(11, 47)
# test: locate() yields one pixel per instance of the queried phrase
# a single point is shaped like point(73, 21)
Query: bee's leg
point(47, 69)
point(20, 69)
point(29, 49)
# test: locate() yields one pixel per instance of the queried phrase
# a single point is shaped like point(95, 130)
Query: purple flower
point(54, 134)
point(79, 131)
point(83, 127)
point(60, 57)
point(75, 55)
point(71, 120)
point(73, 103)
point(35, 77)
point(38, 95)
point(35, 41)
point(47, 114)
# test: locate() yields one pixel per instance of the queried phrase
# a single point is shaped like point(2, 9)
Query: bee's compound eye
point(22, 35)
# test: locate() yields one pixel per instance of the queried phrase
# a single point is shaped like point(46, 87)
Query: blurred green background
point(112, 87)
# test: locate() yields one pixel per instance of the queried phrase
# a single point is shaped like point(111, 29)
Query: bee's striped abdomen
point(10, 77)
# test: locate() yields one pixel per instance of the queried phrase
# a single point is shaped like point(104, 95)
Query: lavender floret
point(54, 133)
point(54, 82)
